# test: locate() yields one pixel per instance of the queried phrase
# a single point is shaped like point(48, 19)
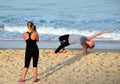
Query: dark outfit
point(63, 42)
point(31, 51)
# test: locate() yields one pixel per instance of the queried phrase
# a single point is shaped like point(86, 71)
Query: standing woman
point(32, 51)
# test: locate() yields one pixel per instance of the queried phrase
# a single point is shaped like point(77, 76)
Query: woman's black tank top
point(31, 45)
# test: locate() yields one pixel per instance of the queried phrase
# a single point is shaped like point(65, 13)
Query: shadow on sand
point(61, 65)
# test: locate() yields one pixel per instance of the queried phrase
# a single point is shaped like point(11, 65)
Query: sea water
point(57, 17)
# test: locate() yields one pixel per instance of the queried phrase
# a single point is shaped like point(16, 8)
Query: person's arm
point(97, 34)
point(25, 36)
point(84, 47)
point(37, 37)
point(36, 33)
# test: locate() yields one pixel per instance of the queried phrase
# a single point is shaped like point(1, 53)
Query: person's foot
point(21, 80)
point(36, 80)
point(52, 52)
point(64, 51)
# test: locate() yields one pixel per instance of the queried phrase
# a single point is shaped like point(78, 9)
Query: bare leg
point(25, 70)
point(35, 72)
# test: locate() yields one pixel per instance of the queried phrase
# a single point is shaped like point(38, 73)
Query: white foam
point(51, 33)
point(19, 29)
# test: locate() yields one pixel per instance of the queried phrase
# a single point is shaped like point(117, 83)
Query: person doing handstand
point(85, 41)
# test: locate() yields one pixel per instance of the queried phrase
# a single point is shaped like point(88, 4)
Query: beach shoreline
point(101, 46)
point(20, 44)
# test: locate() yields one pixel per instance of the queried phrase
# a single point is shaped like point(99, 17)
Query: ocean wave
point(61, 21)
point(52, 33)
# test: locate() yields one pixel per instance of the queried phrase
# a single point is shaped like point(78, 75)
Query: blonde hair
point(30, 25)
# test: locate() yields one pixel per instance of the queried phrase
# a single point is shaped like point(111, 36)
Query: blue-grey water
point(56, 17)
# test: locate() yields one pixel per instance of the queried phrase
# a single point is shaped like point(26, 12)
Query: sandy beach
point(63, 68)
point(82, 20)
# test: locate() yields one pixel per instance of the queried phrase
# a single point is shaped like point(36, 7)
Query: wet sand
point(20, 44)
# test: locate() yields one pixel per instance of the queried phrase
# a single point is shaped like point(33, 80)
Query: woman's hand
point(106, 31)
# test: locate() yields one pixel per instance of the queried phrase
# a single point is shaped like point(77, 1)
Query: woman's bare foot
point(63, 51)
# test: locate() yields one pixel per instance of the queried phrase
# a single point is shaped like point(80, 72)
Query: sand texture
point(63, 68)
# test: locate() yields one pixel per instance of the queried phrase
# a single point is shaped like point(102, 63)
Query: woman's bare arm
point(97, 34)
point(84, 47)
point(37, 37)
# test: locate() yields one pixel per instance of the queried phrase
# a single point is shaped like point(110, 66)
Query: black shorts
point(64, 40)
point(28, 58)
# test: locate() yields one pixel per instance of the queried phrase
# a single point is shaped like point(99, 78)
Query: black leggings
point(63, 42)
point(28, 59)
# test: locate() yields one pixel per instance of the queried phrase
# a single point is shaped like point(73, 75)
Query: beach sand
point(63, 68)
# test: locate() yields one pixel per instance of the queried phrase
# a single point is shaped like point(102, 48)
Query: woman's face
point(90, 44)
